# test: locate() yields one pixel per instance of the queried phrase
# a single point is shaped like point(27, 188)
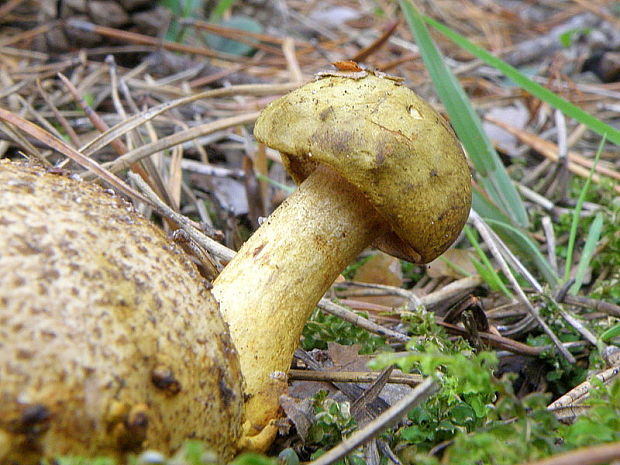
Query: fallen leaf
point(300, 413)
point(381, 268)
point(442, 266)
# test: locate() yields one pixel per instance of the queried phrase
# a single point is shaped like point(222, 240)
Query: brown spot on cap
point(132, 433)
point(163, 378)
point(258, 250)
point(33, 420)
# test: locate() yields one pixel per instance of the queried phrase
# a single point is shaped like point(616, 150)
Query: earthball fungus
point(110, 341)
point(374, 164)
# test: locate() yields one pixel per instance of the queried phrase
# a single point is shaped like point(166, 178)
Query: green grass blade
point(219, 10)
point(519, 242)
point(526, 83)
point(612, 332)
point(273, 182)
point(450, 264)
point(484, 266)
point(526, 248)
point(466, 123)
point(594, 234)
point(485, 207)
point(572, 237)
point(179, 9)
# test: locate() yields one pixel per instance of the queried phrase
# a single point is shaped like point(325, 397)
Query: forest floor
point(521, 318)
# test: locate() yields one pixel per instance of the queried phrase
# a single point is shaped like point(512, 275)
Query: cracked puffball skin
point(110, 341)
point(386, 141)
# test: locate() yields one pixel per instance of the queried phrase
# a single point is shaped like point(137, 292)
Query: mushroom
point(374, 164)
point(109, 339)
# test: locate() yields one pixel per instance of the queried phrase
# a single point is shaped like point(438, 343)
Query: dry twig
point(390, 417)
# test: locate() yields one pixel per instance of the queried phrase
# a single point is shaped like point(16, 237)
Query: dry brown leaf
point(381, 268)
point(441, 266)
point(300, 413)
point(347, 358)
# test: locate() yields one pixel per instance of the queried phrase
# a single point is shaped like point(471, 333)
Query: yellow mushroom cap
point(387, 142)
point(110, 341)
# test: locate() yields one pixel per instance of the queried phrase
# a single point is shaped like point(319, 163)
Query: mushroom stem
point(270, 288)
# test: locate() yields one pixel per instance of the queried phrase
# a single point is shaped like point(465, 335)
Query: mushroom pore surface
point(110, 341)
point(387, 142)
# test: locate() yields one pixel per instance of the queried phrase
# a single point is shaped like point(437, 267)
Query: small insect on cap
point(386, 141)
